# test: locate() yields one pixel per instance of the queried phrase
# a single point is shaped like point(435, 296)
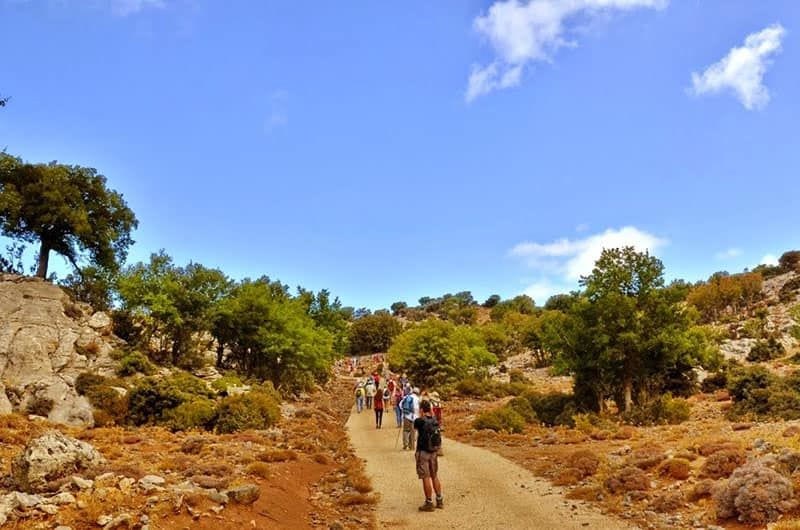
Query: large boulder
point(50, 460)
point(46, 341)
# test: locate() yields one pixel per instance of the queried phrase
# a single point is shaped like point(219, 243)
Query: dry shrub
point(710, 448)
point(625, 432)
point(722, 463)
point(628, 479)
point(303, 413)
point(353, 499)
point(321, 458)
point(208, 482)
point(214, 469)
point(677, 468)
point(792, 430)
point(102, 418)
point(701, 490)
point(195, 499)
point(786, 524)
point(755, 494)
point(686, 455)
point(193, 445)
point(258, 469)
point(128, 469)
point(132, 439)
point(568, 477)
point(277, 455)
point(585, 493)
point(647, 457)
point(668, 502)
point(585, 462)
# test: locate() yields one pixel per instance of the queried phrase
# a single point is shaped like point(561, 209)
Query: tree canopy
point(66, 209)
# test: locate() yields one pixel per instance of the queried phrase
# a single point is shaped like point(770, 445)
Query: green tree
point(271, 336)
point(373, 333)
point(398, 307)
point(92, 285)
point(436, 352)
point(328, 315)
point(521, 304)
point(66, 209)
point(492, 301)
point(175, 304)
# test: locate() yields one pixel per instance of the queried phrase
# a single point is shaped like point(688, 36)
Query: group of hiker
point(419, 415)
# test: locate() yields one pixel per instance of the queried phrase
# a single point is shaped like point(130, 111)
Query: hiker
point(429, 442)
point(360, 397)
point(390, 384)
point(378, 407)
point(369, 388)
point(397, 399)
point(410, 406)
point(377, 379)
point(403, 380)
point(436, 407)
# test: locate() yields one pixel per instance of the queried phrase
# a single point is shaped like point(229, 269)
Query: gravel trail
point(481, 489)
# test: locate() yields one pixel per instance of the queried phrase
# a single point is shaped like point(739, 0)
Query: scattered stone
point(246, 494)
point(63, 498)
point(49, 509)
point(151, 483)
point(82, 483)
point(120, 520)
point(218, 497)
point(49, 460)
point(104, 520)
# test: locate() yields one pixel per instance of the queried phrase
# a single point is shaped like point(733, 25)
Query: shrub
point(472, 386)
point(554, 408)
point(258, 469)
point(667, 502)
point(500, 419)
point(722, 463)
point(40, 406)
point(661, 411)
point(765, 350)
point(744, 381)
point(87, 380)
point(647, 457)
point(714, 382)
point(135, 363)
point(150, 399)
point(677, 468)
point(523, 407)
point(254, 410)
point(198, 414)
point(517, 376)
point(109, 401)
point(228, 380)
point(628, 479)
point(277, 455)
point(789, 289)
point(755, 494)
point(190, 385)
point(585, 461)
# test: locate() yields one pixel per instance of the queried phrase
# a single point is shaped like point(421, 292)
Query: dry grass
point(353, 499)
point(321, 458)
point(277, 455)
point(258, 469)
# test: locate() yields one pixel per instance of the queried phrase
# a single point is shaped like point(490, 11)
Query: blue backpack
point(408, 404)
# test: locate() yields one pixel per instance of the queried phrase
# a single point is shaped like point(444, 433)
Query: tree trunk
point(44, 258)
point(628, 394)
point(220, 353)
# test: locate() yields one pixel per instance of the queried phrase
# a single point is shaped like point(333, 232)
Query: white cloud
point(543, 289)
point(769, 259)
point(729, 253)
point(521, 32)
point(129, 7)
point(742, 69)
point(570, 259)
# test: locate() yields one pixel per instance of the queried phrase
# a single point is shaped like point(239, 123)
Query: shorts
point(427, 464)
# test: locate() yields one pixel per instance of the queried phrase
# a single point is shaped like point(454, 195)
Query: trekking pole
point(397, 437)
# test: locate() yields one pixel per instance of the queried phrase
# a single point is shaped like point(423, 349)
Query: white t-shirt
point(411, 416)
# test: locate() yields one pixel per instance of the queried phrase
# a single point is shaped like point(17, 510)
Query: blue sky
point(388, 151)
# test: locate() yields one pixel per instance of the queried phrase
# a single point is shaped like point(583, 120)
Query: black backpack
point(430, 436)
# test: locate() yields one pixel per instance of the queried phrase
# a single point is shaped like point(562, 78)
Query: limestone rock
point(246, 494)
point(45, 343)
point(51, 459)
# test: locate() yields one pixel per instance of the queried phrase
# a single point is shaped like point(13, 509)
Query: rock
point(126, 485)
point(741, 426)
point(100, 321)
point(50, 460)
point(62, 527)
point(44, 346)
point(218, 497)
point(104, 520)
point(82, 483)
point(792, 430)
point(25, 500)
point(62, 498)
point(246, 494)
point(5, 404)
point(151, 482)
point(49, 509)
point(120, 520)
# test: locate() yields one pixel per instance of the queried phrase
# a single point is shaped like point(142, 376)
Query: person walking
point(378, 407)
point(410, 406)
point(436, 408)
point(397, 400)
point(360, 397)
point(429, 442)
point(369, 388)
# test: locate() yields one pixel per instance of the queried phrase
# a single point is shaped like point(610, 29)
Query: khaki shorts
point(427, 464)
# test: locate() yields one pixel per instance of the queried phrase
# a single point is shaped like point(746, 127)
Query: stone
point(49, 509)
point(126, 485)
point(62, 527)
point(5, 404)
point(100, 321)
point(104, 520)
point(50, 460)
point(62, 498)
point(25, 500)
point(122, 519)
point(218, 497)
point(245, 494)
point(82, 483)
point(151, 483)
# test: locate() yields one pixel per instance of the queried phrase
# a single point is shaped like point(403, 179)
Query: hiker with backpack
point(429, 442)
point(397, 399)
point(436, 408)
point(410, 408)
point(360, 397)
point(369, 388)
point(378, 407)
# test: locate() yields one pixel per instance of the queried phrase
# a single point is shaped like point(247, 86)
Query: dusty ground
point(311, 478)
point(482, 490)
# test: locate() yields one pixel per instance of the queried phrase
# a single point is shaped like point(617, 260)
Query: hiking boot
point(427, 507)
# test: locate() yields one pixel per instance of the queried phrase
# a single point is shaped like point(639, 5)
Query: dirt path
point(482, 489)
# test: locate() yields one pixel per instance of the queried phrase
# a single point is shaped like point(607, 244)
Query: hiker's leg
point(437, 486)
point(411, 438)
point(427, 488)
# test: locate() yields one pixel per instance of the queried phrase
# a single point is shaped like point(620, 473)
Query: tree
point(435, 353)
point(521, 304)
point(92, 285)
point(627, 337)
point(492, 301)
point(3, 101)
point(329, 316)
point(373, 333)
point(790, 261)
point(66, 209)
point(175, 304)
point(271, 335)
point(398, 307)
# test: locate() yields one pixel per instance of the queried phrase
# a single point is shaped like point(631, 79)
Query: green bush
point(135, 363)
point(500, 419)
point(742, 382)
point(554, 408)
point(714, 382)
point(228, 380)
point(197, 414)
point(254, 410)
point(517, 376)
point(665, 410)
point(523, 407)
point(789, 290)
point(150, 400)
point(190, 385)
point(106, 399)
point(765, 350)
point(87, 380)
point(472, 386)
point(40, 406)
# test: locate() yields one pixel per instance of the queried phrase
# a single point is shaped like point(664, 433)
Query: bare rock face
point(46, 341)
point(51, 459)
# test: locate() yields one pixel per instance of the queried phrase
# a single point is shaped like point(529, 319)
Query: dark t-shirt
point(419, 425)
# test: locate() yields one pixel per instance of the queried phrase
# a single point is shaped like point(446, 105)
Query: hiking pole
point(397, 437)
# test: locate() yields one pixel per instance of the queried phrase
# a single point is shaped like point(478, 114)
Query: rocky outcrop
point(46, 341)
point(50, 460)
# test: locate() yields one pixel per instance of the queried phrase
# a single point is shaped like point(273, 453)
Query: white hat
point(416, 390)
